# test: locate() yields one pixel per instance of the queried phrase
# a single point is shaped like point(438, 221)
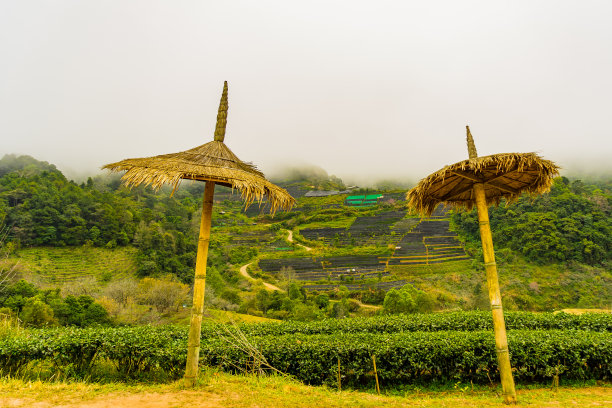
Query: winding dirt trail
point(268, 286)
point(290, 239)
point(365, 306)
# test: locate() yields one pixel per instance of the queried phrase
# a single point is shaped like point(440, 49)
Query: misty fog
point(363, 90)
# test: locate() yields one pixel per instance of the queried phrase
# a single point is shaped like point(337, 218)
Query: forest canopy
point(571, 223)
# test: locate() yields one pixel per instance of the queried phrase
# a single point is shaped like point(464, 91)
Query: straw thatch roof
point(505, 175)
point(213, 161)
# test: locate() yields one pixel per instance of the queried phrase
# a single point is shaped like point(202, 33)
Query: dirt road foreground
point(223, 390)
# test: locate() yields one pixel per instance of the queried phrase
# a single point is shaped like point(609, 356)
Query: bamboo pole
point(339, 384)
point(376, 374)
point(501, 340)
point(195, 325)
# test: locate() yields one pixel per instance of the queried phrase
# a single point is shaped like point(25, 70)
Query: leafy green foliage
point(155, 235)
point(417, 357)
point(311, 177)
point(39, 308)
point(74, 351)
point(571, 223)
point(449, 321)
point(407, 299)
point(42, 208)
point(55, 265)
point(310, 351)
point(37, 313)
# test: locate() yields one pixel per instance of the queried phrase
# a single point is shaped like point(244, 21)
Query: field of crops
point(408, 349)
point(363, 230)
point(61, 265)
point(350, 271)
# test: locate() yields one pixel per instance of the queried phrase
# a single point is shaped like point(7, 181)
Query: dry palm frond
point(256, 362)
point(213, 161)
point(504, 175)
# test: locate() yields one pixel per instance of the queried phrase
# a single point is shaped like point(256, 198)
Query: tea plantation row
point(401, 357)
point(418, 357)
point(452, 321)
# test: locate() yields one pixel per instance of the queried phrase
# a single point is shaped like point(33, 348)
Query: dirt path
point(250, 392)
point(374, 307)
point(290, 239)
point(120, 400)
point(269, 286)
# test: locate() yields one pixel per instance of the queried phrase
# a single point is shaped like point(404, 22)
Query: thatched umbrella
point(213, 163)
point(482, 181)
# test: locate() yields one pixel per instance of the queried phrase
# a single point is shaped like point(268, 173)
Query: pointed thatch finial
point(471, 146)
point(222, 116)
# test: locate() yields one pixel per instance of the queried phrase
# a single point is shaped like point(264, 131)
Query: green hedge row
point(408, 357)
point(425, 357)
point(133, 350)
point(451, 321)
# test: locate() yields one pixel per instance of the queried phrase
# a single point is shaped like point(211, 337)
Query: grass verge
point(216, 389)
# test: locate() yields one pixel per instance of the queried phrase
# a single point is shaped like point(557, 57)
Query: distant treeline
point(40, 207)
point(571, 223)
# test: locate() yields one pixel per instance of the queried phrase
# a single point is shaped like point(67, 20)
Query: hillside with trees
point(569, 224)
point(72, 247)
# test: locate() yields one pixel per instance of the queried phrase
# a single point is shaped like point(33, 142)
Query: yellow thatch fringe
point(212, 161)
point(529, 174)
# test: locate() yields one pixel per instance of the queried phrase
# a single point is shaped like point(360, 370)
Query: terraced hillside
point(313, 269)
point(61, 265)
point(357, 286)
point(428, 242)
point(416, 241)
point(327, 273)
point(263, 238)
point(369, 230)
point(375, 230)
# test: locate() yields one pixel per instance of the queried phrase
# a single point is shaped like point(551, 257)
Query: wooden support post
point(339, 384)
point(501, 340)
point(376, 374)
point(199, 285)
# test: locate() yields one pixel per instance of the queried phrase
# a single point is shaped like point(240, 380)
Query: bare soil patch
point(222, 390)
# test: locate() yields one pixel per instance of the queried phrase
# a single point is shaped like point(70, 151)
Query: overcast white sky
point(356, 87)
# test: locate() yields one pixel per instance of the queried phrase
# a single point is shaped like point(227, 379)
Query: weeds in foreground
point(244, 390)
point(10, 326)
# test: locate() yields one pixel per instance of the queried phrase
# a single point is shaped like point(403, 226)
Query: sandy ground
point(145, 400)
point(276, 395)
